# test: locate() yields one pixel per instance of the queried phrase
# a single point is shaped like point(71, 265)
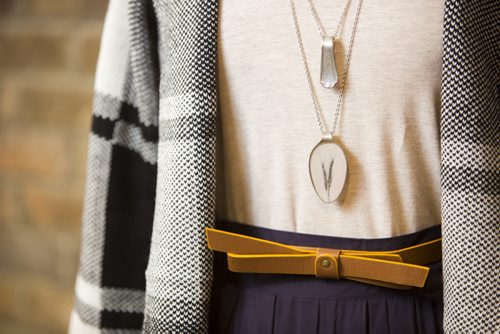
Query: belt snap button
point(326, 264)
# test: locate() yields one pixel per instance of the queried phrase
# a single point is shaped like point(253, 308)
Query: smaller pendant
point(327, 169)
point(329, 76)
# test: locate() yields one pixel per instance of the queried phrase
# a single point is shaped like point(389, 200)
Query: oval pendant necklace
point(327, 169)
point(327, 161)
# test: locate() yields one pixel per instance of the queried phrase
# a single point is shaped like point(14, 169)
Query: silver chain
point(316, 105)
point(321, 29)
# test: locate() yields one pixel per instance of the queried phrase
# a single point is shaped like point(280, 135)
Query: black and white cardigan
point(150, 188)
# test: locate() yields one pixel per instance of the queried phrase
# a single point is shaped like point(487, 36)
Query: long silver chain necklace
point(329, 73)
point(327, 161)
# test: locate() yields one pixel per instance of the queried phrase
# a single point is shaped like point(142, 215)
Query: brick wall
point(48, 51)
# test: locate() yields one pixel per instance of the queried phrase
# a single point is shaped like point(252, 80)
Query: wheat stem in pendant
point(328, 179)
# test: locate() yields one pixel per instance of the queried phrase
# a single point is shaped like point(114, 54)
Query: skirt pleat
point(378, 314)
point(259, 313)
point(295, 315)
point(296, 304)
point(327, 316)
point(255, 309)
point(351, 317)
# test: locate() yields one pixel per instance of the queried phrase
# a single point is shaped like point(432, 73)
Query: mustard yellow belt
point(401, 269)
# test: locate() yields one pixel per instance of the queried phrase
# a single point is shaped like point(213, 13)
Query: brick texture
point(34, 301)
point(32, 50)
point(48, 53)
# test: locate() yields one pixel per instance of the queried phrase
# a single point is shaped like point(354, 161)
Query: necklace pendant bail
point(329, 75)
point(328, 136)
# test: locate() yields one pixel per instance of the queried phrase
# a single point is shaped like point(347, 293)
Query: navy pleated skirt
point(287, 304)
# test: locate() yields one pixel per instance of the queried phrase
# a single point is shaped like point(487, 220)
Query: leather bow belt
point(401, 269)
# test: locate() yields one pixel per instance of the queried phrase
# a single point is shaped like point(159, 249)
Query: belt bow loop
point(327, 263)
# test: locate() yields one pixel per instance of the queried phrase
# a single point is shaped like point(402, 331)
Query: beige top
point(388, 128)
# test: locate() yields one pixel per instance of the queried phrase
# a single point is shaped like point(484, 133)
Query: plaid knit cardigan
point(150, 186)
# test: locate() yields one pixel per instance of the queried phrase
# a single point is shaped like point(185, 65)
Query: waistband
point(314, 240)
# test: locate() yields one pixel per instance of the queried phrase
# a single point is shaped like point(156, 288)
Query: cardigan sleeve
point(469, 175)
point(121, 175)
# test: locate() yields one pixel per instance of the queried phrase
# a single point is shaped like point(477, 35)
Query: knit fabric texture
point(470, 182)
point(150, 185)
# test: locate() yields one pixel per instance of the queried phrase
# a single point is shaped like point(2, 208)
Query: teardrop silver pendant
point(328, 76)
point(327, 169)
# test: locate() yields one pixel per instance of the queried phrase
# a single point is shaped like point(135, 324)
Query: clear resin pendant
point(328, 169)
point(328, 76)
